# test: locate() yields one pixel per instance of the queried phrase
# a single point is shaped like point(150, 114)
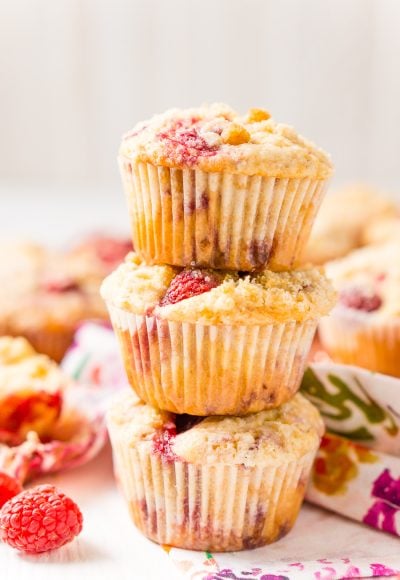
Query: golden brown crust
point(261, 298)
point(269, 437)
point(214, 138)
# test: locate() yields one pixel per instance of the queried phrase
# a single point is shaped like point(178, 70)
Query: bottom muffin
point(215, 483)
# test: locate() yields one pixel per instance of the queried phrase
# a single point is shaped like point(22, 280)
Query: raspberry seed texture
point(39, 519)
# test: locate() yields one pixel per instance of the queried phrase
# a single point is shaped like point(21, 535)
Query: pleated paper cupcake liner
point(208, 507)
point(212, 370)
point(351, 339)
point(219, 220)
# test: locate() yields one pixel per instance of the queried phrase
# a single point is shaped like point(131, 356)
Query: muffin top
point(215, 138)
point(277, 435)
point(368, 280)
point(218, 297)
point(342, 221)
point(23, 370)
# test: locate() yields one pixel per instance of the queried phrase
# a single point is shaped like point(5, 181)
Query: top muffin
point(215, 138)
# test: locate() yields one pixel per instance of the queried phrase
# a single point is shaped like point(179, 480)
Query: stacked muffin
point(214, 321)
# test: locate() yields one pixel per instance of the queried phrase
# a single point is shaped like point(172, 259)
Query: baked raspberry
point(184, 143)
point(360, 300)
point(39, 519)
point(187, 284)
point(9, 487)
point(164, 438)
point(163, 441)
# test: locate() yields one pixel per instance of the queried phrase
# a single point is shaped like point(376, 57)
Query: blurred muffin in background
point(382, 230)
point(97, 255)
point(364, 328)
point(31, 391)
point(343, 219)
point(44, 295)
point(20, 264)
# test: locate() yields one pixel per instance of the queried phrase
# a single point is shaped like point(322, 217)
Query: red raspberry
point(9, 487)
point(187, 284)
point(164, 438)
point(39, 519)
point(184, 144)
point(359, 300)
point(163, 442)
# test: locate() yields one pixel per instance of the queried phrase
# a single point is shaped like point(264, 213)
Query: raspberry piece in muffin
point(187, 284)
point(162, 441)
point(184, 143)
point(360, 300)
point(31, 391)
point(164, 438)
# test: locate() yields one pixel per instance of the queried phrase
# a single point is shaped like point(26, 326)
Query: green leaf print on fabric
point(338, 405)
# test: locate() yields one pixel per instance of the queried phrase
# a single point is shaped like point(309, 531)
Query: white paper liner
point(212, 370)
point(219, 220)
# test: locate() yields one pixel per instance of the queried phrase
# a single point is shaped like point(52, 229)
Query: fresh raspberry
point(39, 519)
point(9, 487)
point(187, 284)
point(359, 300)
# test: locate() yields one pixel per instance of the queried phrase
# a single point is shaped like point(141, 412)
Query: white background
point(76, 74)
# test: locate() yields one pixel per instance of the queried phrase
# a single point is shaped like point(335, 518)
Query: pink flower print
point(382, 513)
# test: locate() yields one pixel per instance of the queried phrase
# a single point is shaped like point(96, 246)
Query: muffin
point(44, 299)
point(214, 483)
point(96, 256)
point(207, 187)
point(343, 220)
point(31, 389)
point(211, 342)
point(20, 263)
point(364, 328)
